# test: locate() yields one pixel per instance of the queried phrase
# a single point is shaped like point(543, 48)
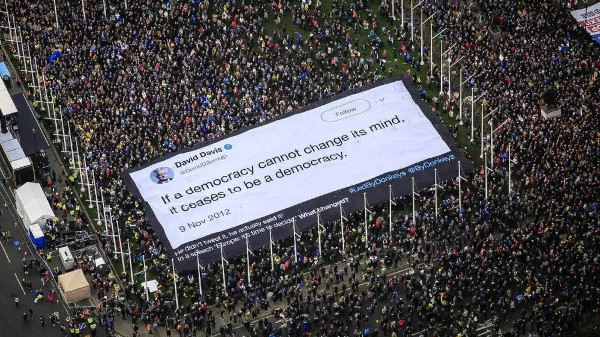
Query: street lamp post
point(402, 15)
point(422, 23)
point(449, 68)
point(35, 140)
point(460, 95)
point(55, 14)
point(473, 100)
point(482, 132)
point(412, 21)
point(442, 65)
point(431, 37)
point(492, 131)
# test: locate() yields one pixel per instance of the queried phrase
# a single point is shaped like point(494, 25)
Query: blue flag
point(56, 54)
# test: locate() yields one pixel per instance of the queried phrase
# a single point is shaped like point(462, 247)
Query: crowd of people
point(159, 76)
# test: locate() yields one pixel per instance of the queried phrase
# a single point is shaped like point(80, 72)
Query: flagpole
point(460, 100)
point(486, 176)
point(459, 191)
point(441, 67)
point(402, 14)
point(431, 49)
point(199, 273)
point(460, 90)
point(146, 279)
point(431, 37)
point(56, 14)
point(509, 176)
point(175, 283)
point(295, 245)
point(342, 225)
point(271, 248)
point(482, 132)
point(223, 269)
point(422, 33)
point(435, 185)
point(130, 264)
point(366, 221)
point(390, 212)
point(491, 144)
point(319, 232)
point(472, 112)
point(83, 9)
point(121, 247)
point(248, 260)
point(413, 203)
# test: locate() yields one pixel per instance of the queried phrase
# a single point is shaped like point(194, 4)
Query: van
point(67, 259)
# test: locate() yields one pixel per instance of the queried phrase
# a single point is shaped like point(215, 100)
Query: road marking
point(5, 252)
point(20, 285)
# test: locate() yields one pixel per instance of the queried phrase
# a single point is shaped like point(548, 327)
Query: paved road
point(11, 317)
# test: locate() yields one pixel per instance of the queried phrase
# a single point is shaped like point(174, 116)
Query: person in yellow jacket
point(93, 329)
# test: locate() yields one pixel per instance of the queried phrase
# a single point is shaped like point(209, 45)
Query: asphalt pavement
point(12, 275)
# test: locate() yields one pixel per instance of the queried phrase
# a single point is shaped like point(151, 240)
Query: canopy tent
point(32, 205)
point(13, 152)
point(73, 286)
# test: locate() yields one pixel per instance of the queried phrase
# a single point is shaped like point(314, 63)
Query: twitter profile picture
point(162, 175)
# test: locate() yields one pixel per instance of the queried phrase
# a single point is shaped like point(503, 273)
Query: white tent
point(32, 205)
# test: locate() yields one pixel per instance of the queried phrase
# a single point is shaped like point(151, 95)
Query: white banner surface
point(264, 170)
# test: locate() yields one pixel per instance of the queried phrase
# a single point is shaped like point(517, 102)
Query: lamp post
point(412, 21)
point(431, 37)
point(422, 23)
point(473, 100)
point(510, 162)
point(482, 132)
point(442, 65)
point(460, 90)
point(35, 139)
point(55, 14)
point(492, 131)
point(449, 68)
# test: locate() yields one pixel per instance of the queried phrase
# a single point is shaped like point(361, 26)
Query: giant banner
point(253, 184)
point(589, 18)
